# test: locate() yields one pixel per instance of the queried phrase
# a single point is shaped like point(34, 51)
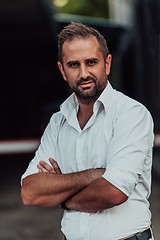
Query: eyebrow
point(87, 60)
point(91, 59)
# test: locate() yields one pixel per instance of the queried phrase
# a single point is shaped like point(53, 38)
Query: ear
point(108, 64)
point(62, 70)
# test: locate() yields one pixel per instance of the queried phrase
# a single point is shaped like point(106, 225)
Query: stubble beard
point(85, 96)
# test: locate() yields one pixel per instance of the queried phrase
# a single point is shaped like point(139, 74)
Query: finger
point(47, 167)
point(42, 169)
point(55, 166)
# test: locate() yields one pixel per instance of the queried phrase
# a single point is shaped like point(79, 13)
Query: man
point(95, 155)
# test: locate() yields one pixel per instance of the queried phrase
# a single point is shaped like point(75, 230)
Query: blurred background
point(32, 88)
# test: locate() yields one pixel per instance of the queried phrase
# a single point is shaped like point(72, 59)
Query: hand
point(46, 168)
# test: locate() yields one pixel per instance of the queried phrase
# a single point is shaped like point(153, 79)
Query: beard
point(87, 95)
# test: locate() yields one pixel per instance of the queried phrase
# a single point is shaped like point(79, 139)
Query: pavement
point(18, 222)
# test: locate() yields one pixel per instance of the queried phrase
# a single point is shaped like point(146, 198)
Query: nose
point(84, 73)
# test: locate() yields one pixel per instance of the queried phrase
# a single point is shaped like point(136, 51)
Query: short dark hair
point(79, 30)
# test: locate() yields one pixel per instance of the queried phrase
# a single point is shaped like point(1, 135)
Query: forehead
point(78, 47)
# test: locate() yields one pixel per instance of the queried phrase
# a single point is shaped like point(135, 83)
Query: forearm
point(97, 196)
point(48, 190)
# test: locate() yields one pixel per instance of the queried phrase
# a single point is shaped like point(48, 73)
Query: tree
point(93, 8)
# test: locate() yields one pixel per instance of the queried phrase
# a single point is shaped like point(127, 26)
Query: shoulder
point(128, 113)
point(125, 104)
point(57, 120)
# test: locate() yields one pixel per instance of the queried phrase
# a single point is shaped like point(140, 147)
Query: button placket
point(80, 151)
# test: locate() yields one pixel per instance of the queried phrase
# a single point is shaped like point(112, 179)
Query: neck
point(84, 113)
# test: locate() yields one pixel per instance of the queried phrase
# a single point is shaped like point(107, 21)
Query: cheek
point(71, 76)
point(101, 74)
point(70, 81)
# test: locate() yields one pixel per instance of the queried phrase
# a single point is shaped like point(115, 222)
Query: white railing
point(18, 146)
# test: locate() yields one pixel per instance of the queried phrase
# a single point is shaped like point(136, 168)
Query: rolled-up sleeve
point(130, 148)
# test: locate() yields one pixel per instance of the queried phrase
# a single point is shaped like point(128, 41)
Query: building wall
point(122, 11)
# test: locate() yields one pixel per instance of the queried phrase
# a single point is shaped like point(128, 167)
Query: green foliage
point(93, 8)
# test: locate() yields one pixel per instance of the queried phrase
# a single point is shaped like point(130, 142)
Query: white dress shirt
point(118, 137)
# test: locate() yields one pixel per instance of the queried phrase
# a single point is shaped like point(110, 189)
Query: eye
point(91, 62)
point(73, 64)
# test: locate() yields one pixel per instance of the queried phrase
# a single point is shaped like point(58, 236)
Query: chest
point(80, 150)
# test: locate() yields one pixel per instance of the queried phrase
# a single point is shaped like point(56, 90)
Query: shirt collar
point(71, 103)
point(105, 98)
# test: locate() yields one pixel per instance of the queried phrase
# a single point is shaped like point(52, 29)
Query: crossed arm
point(83, 191)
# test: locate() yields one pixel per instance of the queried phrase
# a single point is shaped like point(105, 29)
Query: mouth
point(87, 84)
